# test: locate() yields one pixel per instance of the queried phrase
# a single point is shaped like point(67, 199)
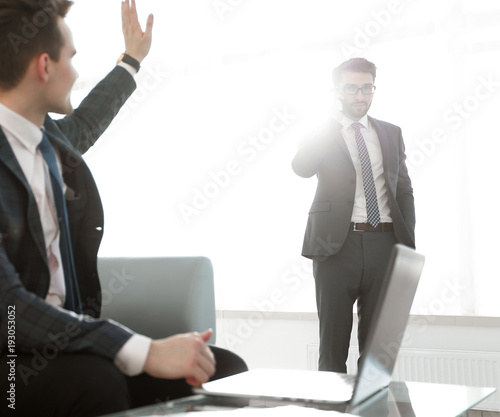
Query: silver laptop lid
point(389, 322)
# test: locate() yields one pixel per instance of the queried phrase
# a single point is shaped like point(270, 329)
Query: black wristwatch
point(129, 60)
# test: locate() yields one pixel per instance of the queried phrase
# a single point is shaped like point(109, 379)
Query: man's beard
point(350, 111)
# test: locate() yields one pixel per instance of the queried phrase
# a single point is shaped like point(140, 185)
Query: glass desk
point(400, 399)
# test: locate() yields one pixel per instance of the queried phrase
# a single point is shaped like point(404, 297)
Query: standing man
point(65, 360)
point(362, 207)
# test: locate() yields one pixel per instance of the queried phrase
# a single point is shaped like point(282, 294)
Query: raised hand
point(137, 42)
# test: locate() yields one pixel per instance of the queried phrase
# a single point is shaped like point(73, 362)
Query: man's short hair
point(28, 28)
point(354, 65)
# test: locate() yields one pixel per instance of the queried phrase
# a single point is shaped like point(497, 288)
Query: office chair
point(159, 297)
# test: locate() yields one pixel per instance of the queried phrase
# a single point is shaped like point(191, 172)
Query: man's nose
point(359, 94)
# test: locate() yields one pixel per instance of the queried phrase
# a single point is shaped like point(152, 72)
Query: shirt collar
point(346, 122)
point(25, 132)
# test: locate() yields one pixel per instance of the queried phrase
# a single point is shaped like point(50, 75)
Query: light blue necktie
point(73, 301)
point(372, 210)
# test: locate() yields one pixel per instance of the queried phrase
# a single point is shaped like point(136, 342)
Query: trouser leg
point(337, 279)
point(75, 385)
point(377, 248)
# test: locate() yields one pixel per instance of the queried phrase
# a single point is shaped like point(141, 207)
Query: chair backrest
point(159, 296)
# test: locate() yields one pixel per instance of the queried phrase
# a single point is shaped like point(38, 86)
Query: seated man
point(57, 356)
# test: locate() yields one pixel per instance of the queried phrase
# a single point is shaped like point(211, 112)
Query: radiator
point(473, 368)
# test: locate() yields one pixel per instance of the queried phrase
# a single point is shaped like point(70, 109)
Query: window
point(198, 160)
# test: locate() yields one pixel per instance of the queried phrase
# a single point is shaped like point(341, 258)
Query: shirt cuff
point(131, 358)
point(128, 67)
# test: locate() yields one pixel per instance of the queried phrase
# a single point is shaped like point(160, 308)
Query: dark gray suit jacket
point(326, 155)
point(24, 270)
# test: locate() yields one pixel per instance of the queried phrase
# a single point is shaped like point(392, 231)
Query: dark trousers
point(355, 273)
point(80, 385)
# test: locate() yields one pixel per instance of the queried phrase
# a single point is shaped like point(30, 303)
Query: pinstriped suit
point(24, 270)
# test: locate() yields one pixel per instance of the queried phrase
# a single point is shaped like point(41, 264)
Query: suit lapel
point(8, 157)
point(390, 158)
point(382, 138)
point(70, 157)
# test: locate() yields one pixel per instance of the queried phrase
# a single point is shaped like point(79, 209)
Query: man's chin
point(358, 113)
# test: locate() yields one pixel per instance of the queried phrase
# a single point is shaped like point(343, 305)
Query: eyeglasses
point(351, 89)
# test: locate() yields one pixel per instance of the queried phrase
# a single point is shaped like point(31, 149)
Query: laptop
point(329, 389)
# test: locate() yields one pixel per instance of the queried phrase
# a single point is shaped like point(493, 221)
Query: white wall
point(212, 86)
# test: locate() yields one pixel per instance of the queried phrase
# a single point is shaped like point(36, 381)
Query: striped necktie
point(372, 210)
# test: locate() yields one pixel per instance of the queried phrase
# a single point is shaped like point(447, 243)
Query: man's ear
point(42, 66)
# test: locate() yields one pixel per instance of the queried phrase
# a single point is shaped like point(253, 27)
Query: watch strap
point(127, 59)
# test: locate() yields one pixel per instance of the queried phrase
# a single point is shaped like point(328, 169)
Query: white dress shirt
point(375, 152)
point(24, 138)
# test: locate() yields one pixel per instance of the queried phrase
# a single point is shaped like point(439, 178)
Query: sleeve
point(128, 67)
point(131, 358)
point(39, 327)
point(96, 112)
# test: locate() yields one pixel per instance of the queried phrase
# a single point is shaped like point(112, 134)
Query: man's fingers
point(205, 361)
point(149, 26)
point(125, 14)
point(201, 373)
point(207, 334)
point(207, 364)
point(133, 11)
point(193, 382)
point(184, 355)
